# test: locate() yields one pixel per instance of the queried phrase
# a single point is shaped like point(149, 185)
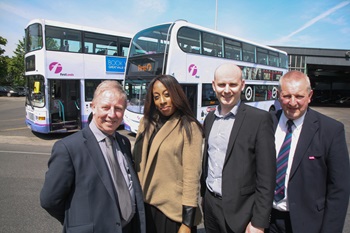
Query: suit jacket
point(318, 188)
point(78, 189)
point(169, 173)
point(249, 172)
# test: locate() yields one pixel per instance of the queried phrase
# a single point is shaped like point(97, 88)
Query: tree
point(3, 61)
point(15, 67)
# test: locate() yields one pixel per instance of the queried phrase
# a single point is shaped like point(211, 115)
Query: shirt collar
point(297, 122)
point(100, 136)
point(233, 111)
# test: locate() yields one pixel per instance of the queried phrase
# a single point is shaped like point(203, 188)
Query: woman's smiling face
point(162, 99)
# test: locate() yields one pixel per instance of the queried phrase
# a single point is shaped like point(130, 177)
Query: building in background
point(329, 72)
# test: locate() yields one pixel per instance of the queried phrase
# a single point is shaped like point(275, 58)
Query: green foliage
point(3, 62)
point(12, 69)
point(15, 67)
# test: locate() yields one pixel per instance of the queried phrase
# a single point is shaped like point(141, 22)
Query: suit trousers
point(280, 222)
point(214, 219)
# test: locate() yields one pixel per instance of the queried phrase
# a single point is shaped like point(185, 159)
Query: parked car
point(8, 91)
point(21, 90)
point(3, 91)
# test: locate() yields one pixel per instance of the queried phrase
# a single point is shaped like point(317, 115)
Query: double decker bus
point(64, 63)
point(191, 54)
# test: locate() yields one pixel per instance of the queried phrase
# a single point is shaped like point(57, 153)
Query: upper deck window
point(150, 41)
point(189, 40)
point(33, 37)
point(62, 39)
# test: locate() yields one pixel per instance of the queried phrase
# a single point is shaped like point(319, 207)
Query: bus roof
point(78, 27)
point(182, 23)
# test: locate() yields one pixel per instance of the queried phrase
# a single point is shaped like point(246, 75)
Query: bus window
point(189, 40)
point(248, 52)
point(208, 95)
point(34, 37)
point(62, 39)
point(212, 45)
point(136, 93)
point(233, 49)
point(36, 91)
point(101, 44)
point(283, 60)
point(273, 58)
point(90, 87)
point(261, 56)
point(123, 46)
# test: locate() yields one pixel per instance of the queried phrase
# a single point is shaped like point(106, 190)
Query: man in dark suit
point(315, 187)
point(238, 176)
point(82, 188)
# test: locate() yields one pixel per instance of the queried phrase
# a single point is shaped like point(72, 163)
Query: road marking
point(12, 129)
point(13, 119)
point(24, 152)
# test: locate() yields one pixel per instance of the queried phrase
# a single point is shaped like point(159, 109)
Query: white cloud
point(150, 7)
point(287, 39)
point(15, 10)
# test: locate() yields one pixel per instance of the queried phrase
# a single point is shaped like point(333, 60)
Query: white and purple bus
point(191, 54)
point(64, 63)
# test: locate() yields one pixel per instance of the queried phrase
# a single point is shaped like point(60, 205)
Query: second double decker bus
point(64, 63)
point(191, 54)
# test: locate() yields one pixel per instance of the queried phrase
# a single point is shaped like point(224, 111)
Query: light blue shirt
point(217, 146)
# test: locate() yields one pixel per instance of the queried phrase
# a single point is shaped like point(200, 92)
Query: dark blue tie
point(282, 163)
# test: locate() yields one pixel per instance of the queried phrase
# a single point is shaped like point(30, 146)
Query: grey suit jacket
point(319, 182)
point(249, 172)
point(78, 189)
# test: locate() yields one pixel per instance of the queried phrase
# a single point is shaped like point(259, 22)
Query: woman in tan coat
point(168, 159)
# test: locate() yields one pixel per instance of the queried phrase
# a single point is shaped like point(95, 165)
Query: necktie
point(282, 163)
point(124, 196)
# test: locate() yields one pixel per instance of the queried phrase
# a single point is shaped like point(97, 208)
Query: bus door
point(65, 101)
point(191, 93)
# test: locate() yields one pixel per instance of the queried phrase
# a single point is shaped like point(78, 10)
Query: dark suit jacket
point(78, 189)
point(318, 189)
point(249, 172)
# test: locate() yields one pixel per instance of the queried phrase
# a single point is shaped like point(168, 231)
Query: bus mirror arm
point(29, 100)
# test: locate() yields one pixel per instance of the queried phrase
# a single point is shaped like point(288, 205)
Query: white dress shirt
point(279, 138)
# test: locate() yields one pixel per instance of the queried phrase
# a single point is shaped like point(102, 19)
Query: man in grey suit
point(316, 180)
point(239, 165)
point(81, 188)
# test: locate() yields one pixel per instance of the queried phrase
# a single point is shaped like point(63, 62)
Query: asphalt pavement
point(23, 163)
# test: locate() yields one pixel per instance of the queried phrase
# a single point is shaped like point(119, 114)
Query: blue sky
point(298, 23)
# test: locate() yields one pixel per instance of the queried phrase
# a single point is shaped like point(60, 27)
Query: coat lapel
point(275, 118)
point(124, 147)
point(310, 127)
point(95, 153)
point(239, 119)
point(162, 134)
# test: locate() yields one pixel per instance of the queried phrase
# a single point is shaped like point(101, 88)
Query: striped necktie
point(282, 163)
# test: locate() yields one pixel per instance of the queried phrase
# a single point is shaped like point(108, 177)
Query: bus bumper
point(37, 128)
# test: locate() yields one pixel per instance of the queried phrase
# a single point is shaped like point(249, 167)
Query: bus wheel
point(272, 108)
